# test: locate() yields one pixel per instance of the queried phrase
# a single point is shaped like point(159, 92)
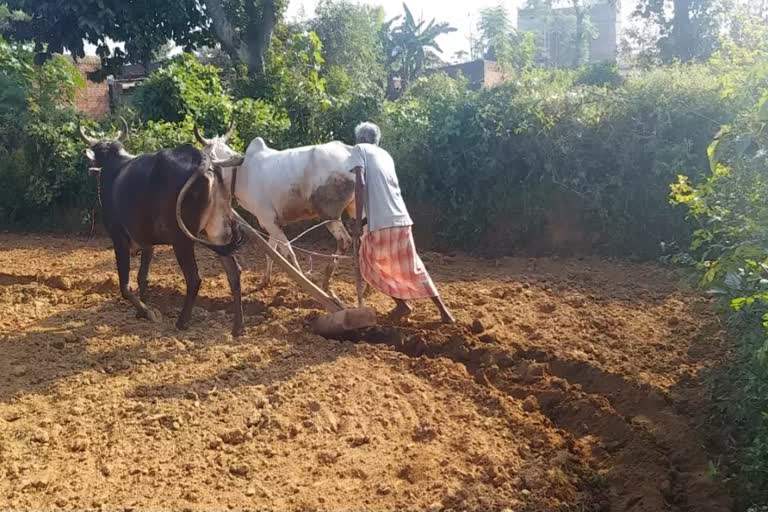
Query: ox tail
point(237, 233)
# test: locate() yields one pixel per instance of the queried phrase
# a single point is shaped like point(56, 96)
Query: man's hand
point(357, 225)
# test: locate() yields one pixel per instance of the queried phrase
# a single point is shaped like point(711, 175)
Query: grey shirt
point(384, 205)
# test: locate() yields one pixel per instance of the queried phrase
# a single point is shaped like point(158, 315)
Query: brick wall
point(479, 73)
point(93, 99)
point(473, 71)
point(493, 74)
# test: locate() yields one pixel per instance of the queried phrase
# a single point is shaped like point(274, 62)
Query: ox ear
point(90, 155)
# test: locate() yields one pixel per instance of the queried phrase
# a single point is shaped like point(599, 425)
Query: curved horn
point(179, 202)
point(202, 140)
point(233, 161)
point(88, 140)
point(123, 134)
point(230, 130)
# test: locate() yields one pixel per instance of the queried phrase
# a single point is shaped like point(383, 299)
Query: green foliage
point(681, 30)
point(409, 45)
point(298, 87)
point(182, 88)
point(7, 16)
point(41, 165)
point(501, 43)
point(144, 25)
point(157, 135)
point(603, 74)
point(350, 35)
point(498, 164)
point(257, 118)
point(730, 241)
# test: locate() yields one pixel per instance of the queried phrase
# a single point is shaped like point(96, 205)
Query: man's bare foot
point(400, 312)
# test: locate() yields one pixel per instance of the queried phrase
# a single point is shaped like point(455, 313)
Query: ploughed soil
point(567, 385)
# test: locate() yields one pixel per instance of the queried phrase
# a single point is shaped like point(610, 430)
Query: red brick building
point(480, 73)
point(97, 99)
point(93, 99)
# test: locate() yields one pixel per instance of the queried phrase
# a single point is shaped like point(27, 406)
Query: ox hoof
point(182, 325)
point(238, 331)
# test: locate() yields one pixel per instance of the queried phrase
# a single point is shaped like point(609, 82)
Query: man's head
point(367, 133)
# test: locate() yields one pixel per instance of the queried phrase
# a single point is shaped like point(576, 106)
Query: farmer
point(388, 258)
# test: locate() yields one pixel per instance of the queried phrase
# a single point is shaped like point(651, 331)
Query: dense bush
point(41, 165)
point(184, 88)
point(544, 163)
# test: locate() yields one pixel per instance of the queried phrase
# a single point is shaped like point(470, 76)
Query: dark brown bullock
point(138, 195)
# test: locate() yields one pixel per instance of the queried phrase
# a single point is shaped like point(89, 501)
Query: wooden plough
point(339, 318)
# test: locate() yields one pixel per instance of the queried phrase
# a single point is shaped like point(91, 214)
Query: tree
point(350, 35)
point(7, 16)
point(242, 27)
point(568, 29)
point(583, 32)
point(408, 46)
point(143, 25)
point(690, 31)
point(500, 42)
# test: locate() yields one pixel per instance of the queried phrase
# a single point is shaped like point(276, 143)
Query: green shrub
point(41, 165)
point(603, 74)
point(257, 118)
point(543, 163)
point(157, 135)
point(183, 88)
point(729, 247)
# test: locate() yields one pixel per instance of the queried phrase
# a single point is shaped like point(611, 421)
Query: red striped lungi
point(389, 263)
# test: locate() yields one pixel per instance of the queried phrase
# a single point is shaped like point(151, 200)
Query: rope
point(306, 251)
point(313, 228)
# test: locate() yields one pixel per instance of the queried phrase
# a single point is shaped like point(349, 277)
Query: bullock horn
point(202, 140)
point(179, 202)
point(233, 161)
point(88, 140)
point(122, 134)
point(230, 130)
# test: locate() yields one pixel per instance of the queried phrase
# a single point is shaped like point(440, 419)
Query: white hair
point(367, 133)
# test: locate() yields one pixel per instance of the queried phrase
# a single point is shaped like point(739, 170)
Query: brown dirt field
point(568, 385)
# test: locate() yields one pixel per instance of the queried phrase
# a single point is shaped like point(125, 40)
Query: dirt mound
point(567, 385)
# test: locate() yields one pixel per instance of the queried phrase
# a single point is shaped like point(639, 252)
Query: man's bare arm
point(359, 201)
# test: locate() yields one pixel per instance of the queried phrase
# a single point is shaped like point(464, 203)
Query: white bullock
point(282, 187)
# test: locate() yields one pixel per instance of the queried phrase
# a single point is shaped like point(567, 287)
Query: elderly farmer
point(388, 258)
